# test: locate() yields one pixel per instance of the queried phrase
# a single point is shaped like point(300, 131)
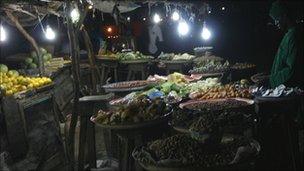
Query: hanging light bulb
point(175, 16)
point(206, 34)
point(183, 28)
point(90, 7)
point(156, 18)
point(109, 29)
point(75, 16)
point(2, 34)
point(49, 33)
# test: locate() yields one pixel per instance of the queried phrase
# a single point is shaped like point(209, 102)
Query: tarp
point(107, 6)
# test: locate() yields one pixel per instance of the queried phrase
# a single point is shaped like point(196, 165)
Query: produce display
point(54, 64)
point(186, 119)
point(203, 85)
point(240, 66)
point(125, 56)
point(137, 110)
point(210, 66)
point(11, 82)
point(175, 57)
point(224, 91)
point(216, 104)
point(32, 61)
point(107, 53)
point(128, 84)
point(184, 152)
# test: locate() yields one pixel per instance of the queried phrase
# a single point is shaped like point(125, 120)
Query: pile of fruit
point(226, 91)
point(32, 61)
point(11, 82)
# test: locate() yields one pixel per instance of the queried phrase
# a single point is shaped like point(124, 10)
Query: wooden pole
point(94, 69)
point(73, 32)
point(74, 52)
point(29, 38)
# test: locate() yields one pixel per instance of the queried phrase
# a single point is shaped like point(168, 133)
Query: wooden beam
point(29, 38)
point(94, 69)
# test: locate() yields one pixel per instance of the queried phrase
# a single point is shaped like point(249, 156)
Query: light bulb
point(156, 18)
point(75, 16)
point(2, 34)
point(49, 33)
point(109, 29)
point(175, 16)
point(206, 34)
point(183, 28)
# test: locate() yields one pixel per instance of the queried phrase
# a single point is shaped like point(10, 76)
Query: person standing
point(287, 67)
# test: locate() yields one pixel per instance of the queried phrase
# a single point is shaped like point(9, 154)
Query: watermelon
point(47, 57)
point(34, 54)
point(43, 51)
point(3, 68)
point(32, 66)
point(28, 60)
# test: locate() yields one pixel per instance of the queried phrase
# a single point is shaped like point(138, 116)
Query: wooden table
point(180, 66)
point(108, 65)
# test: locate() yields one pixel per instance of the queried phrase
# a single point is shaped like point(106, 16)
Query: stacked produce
point(216, 104)
point(124, 56)
point(32, 61)
point(139, 109)
point(183, 151)
point(224, 91)
point(11, 82)
point(240, 66)
point(203, 85)
point(175, 57)
point(195, 120)
point(210, 66)
point(107, 53)
point(54, 64)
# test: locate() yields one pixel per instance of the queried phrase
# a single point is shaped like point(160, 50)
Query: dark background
point(241, 32)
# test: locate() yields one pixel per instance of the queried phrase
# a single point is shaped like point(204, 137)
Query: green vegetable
point(43, 51)
point(34, 54)
point(3, 68)
point(32, 66)
point(28, 60)
point(166, 87)
point(175, 87)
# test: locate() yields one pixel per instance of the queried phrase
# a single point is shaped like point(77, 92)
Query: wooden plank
point(15, 128)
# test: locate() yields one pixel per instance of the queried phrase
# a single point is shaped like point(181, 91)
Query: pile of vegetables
point(172, 56)
point(211, 66)
point(124, 56)
point(140, 108)
point(32, 61)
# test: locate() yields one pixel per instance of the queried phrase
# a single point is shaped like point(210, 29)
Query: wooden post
point(73, 31)
point(29, 38)
point(74, 52)
point(94, 69)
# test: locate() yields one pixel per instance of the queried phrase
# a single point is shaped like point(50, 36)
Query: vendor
point(287, 67)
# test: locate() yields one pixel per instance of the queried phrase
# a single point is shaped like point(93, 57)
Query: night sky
point(239, 33)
